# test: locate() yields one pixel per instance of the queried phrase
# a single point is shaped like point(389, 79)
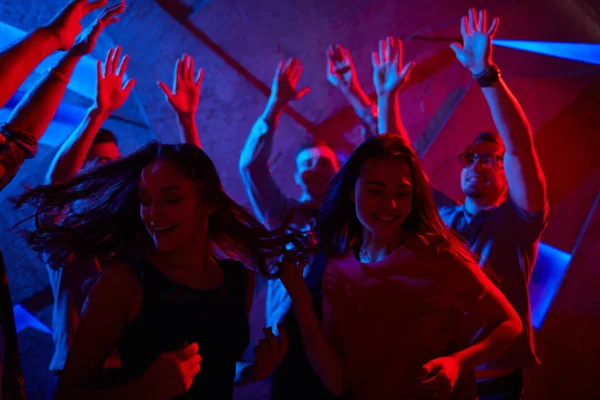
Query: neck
point(376, 249)
point(316, 202)
point(190, 257)
point(475, 204)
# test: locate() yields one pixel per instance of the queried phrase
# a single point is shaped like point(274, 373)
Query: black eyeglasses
point(487, 159)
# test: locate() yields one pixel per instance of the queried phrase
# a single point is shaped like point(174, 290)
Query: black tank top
point(172, 314)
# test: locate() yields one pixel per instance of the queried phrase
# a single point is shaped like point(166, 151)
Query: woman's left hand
point(269, 352)
point(438, 377)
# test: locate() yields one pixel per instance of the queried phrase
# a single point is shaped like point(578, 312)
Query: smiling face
point(315, 166)
point(383, 196)
point(480, 181)
point(171, 206)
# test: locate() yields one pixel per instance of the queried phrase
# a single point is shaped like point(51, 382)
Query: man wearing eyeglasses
point(505, 209)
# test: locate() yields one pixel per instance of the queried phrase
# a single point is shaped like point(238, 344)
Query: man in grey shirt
point(316, 163)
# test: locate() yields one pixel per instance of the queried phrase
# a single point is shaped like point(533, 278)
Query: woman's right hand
point(293, 280)
point(172, 373)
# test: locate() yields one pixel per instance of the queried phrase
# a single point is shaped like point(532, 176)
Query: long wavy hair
point(100, 213)
point(338, 227)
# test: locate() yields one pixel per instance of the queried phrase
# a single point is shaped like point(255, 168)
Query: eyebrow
point(381, 184)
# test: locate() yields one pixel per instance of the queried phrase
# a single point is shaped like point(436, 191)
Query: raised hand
point(476, 50)
point(110, 92)
point(285, 82)
point(86, 41)
point(389, 75)
point(174, 370)
point(66, 25)
point(185, 96)
point(438, 378)
point(269, 352)
point(340, 68)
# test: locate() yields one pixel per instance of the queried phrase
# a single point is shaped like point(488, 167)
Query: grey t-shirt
point(506, 239)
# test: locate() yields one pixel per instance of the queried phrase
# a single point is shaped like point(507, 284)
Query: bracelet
point(57, 75)
point(488, 77)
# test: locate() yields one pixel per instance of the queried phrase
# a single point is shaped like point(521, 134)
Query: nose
point(154, 211)
point(390, 204)
point(479, 164)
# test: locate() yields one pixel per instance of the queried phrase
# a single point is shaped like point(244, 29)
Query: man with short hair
point(316, 164)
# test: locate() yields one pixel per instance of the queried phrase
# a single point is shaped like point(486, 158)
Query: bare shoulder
point(119, 274)
point(118, 286)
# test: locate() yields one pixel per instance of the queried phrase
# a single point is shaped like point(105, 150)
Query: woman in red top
point(396, 288)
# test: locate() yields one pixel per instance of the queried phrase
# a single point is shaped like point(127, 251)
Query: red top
point(388, 318)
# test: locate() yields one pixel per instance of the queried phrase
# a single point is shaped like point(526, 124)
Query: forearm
point(388, 118)
point(19, 60)
point(71, 156)
point(363, 107)
point(321, 355)
point(188, 130)
point(356, 96)
point(509, 118)
point(526, 181)
point(258, 146)
point(493, 341)
point(35, 112)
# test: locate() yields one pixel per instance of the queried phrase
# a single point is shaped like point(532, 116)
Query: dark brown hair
point(100, 210)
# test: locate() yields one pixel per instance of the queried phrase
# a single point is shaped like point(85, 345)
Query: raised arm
point(185, 98)
point(34, 113)
point(389, 77)
point(526, 181)
point(341, 73)
point(269, 203)
point(110, 95)
point(19, 60)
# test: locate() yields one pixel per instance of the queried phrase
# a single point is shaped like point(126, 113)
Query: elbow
point(516, 327)
point(513, 327)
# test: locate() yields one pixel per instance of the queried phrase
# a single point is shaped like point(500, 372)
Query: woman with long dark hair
point(396, 287)
point(176, 298)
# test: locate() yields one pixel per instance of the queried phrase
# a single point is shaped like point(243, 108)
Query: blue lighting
point(24, 319)
point(585, 52)
point(546, 279)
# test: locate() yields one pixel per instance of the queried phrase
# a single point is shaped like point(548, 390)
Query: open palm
point(340, 68)
point(110, 93)
point(185, 94)
point(389, 76)
point(476, 51)
point(285, 82)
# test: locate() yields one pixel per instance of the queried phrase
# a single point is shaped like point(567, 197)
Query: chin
point(165, 246)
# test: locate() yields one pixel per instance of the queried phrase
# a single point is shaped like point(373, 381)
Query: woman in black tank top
point(176, 298)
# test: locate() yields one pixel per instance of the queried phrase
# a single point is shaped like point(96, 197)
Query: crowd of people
point(379, 286)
